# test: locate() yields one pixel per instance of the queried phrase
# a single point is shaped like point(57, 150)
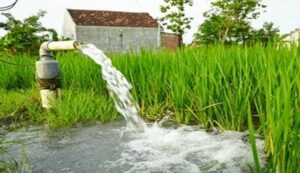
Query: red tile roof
point(112, 18)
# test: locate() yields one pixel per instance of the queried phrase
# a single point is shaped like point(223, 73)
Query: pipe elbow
point(44, 51)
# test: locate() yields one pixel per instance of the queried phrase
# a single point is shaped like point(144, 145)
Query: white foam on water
point(185, 149)
point(118, 87)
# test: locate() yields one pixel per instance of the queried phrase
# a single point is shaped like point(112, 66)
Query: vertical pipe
point(48, 78)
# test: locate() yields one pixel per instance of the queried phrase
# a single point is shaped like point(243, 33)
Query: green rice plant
point(79, 106)
point(79, 71)
point(19, 106)
point(253, 142)
point(17, 72)
point(278, 109)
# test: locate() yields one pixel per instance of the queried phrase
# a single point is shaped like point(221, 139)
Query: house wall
point(169, 41)
point(119, 39)
point(69, 27)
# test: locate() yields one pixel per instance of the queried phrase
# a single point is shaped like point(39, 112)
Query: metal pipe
point(60, 45)
point(47, 47)
point(48, 71)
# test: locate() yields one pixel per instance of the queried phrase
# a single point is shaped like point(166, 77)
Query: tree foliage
point(24, 36)
point(228, 21)
point(175, 18)
point(268, 34)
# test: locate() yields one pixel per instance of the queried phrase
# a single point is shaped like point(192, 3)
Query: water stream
point(118, 87)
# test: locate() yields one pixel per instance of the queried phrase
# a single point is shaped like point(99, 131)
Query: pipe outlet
point(47, 47)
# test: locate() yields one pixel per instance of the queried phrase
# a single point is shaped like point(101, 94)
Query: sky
point(285, 14)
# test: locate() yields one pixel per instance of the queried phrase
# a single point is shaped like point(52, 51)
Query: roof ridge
point(109, 11)
point(112, 18)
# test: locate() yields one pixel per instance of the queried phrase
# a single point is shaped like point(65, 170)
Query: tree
point(175, 18)
point(228, 21)
point(268, 34)
point(212, 31)
point(24, 36)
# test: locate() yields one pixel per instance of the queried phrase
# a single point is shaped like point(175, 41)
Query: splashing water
point(118, 87)
point(186, 149)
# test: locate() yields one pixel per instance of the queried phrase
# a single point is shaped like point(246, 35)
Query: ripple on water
point(113, 148)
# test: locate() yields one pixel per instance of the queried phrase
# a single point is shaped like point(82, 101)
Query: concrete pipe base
point(48, 97)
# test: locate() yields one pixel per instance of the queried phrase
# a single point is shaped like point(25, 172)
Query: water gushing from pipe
point(118, 87)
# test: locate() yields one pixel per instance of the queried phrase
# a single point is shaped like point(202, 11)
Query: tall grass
point(229, 87)
point(20, 76)
point(218, 86)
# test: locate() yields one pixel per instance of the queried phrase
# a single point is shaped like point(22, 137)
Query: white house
point(292, 37)
point(117, 31)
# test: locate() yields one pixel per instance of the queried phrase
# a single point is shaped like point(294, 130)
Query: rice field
point(232, 88)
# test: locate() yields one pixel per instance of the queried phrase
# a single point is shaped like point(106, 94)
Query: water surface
point(114, 148)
